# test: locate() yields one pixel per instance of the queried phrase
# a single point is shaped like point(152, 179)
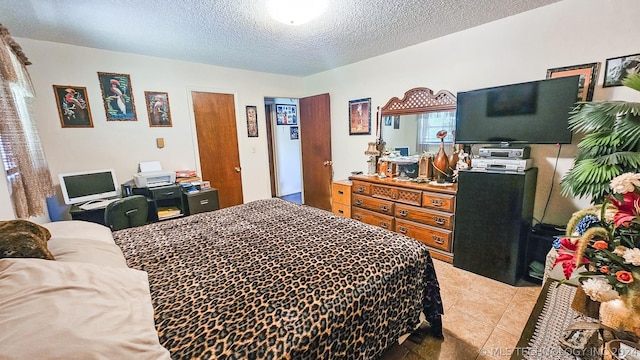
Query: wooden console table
point(419, 210)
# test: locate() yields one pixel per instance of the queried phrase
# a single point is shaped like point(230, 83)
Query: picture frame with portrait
point(618, 68)
point(252, 120)
point(117, 96)
point(588, 77)
point(158, 108)
point(360, 117)
point(294, 135)
point(73, 106)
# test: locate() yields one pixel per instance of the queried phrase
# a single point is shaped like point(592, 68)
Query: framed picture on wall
point(387, 121)
point(158, 108)
point(618, 68)
point(294, 132)
point(117, 96)
point(360, 117)
point(588, 77)
point(396, 122)
point(73, 106)
point(252, 121)
point(286, 114)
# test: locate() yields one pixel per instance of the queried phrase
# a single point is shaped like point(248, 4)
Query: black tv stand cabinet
point(494, 212)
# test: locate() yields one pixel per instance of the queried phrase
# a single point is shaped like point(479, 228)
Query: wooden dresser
point(421, 211)
point(341, 198)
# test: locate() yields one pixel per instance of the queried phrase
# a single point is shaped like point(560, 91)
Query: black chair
point(127, 212)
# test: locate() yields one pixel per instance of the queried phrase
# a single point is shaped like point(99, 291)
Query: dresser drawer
point(341, 193)
point(425, 216)
point(373, 204)
point(442, 202)
point(360, 187)
point(429, 235)
point(372, 218)
point(166, 192)
point(341, 209)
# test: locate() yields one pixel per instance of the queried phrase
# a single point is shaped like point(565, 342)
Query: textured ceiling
point(240, 34)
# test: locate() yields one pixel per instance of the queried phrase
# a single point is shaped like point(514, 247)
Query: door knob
point(327, 163)
point(237, 168)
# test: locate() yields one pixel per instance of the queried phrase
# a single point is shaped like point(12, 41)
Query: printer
point(150, 174)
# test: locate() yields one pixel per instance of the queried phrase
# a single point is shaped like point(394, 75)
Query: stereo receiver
point(507, 153)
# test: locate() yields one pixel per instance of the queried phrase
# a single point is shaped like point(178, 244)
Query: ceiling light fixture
point(295, 12)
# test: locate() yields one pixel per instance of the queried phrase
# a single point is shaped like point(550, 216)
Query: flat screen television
point(535, 112)
point(84, 186)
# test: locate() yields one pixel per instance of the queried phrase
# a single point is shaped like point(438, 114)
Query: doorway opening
point(285, 154)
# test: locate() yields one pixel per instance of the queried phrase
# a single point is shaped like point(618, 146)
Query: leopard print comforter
point(275, 280)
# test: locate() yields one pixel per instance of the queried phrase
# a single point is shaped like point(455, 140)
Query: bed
point(275, 280)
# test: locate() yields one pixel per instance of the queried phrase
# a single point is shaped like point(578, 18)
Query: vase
point(453, 159)
point(441, 164)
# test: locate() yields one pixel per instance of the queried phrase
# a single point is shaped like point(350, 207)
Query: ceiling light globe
point(295, 12)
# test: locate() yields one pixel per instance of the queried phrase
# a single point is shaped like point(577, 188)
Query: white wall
point(288, 154)
point(516, 49)
point(122, 145)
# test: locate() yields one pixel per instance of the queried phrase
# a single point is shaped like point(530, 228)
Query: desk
point(94, 215)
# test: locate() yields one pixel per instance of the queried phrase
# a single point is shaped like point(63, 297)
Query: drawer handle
point(402, 230)
point(403, 212)
point(358, 202)
point(204, 202)
point(439, 220)
point(437, 239)
point(384, 208)
point(384, 224)
point(360, 189)
point(168, 193)
point(436, 202)
point(357, 217)
point(340, 192)
point(341, 211)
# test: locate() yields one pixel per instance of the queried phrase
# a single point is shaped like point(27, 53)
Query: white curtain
point(22, 155)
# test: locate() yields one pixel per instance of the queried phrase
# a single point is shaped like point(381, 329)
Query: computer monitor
point(83, 186)
point(404, 150)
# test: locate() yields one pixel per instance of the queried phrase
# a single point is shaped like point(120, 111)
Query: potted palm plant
point(610, 147)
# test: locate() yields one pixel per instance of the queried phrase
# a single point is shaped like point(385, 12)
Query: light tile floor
point(483, 318)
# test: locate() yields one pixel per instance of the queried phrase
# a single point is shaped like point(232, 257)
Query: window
point(430, 123)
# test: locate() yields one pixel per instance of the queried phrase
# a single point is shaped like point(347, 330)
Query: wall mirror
point(410, 124)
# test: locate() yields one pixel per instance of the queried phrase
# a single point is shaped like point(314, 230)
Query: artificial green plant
point(610, 147)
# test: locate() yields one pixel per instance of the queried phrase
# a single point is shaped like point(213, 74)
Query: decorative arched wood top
point(419, 100)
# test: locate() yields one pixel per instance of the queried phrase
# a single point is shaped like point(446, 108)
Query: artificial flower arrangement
point(606, 240)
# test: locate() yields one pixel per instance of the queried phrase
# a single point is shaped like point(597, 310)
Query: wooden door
point(215, 119)
point(315, 141)
point(268, 115)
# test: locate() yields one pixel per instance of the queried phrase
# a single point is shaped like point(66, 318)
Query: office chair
point(127, 212)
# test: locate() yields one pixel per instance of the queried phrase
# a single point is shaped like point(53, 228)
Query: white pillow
point(87, 251)
point(62, 310)
point(76, 229)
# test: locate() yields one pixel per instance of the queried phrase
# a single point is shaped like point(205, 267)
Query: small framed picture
point(286, 114)
point(117, 96)
point(73, 106)
point(618, 68)
point(205, 185)
point(252, 121)
point(588, 77)
point(387, 121)
point(396, 122)
point(158, 108)
point(360, 117)
point(294, 132)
